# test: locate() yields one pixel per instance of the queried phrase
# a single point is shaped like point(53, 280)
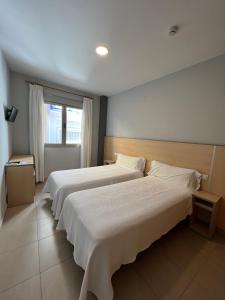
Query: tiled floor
point(36, 262)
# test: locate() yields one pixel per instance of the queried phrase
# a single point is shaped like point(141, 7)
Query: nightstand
point(203, 219)
point(20, 180)
point(109, 162)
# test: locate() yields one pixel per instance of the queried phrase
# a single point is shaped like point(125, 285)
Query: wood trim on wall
point(207, 159)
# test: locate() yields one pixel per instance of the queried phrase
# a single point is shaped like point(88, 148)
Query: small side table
point(20, 180)
point(208, 204)
point(109, 162)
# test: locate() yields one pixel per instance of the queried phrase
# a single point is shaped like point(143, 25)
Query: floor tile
point(21, 213)
point(127, 284)
point(160, 273)
point(217, 256)
point(39, 188)
point(27, 290)
point(62, 281)
point(219, 238)
point(187, 250)
point(44, 208)
point(18, 265)
point(39, 196)
point(17, 234)
point(47, 227)
point(211, 278)
point(53, 250)
point(195, 292)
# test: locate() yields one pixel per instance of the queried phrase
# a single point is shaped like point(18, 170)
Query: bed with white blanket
point(62, 183)
point(110, 225)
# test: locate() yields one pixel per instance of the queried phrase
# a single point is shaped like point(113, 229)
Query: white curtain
point(86, 133)
point(36, 122)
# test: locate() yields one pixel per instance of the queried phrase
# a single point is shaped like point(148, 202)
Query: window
point(53, 124)
point(62, 124)
point(73, 125)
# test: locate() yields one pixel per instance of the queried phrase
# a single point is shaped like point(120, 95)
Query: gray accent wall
point(55, 158)
point(102, 128)
point(187, 106)
point(5, 132)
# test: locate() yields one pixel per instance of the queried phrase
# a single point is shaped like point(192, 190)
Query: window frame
point(64, 122)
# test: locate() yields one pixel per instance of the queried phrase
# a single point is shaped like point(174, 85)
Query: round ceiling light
point(173, 30)
point(102, 51)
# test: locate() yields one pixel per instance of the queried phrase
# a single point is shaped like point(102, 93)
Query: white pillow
point(182, 177)
point(131, 162)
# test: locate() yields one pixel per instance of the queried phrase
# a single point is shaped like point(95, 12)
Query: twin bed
point(111, 224)
point(62, 183)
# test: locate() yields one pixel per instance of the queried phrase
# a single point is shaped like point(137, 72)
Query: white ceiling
point(55, 40)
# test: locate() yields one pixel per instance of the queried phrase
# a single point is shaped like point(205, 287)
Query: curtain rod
point(57, 89)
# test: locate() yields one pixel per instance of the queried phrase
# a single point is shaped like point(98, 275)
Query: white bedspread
point(109, 226)
point(62, 183)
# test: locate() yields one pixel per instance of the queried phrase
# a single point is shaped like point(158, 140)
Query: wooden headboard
point(207, 159)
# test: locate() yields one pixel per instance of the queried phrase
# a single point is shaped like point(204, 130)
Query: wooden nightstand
point(20, 180)
point(109, 162)
point(203, 218)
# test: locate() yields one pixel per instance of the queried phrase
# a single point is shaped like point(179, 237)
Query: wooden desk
point(20, 180)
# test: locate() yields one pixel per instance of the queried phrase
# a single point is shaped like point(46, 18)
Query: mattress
point(62, 183)
point(109, 226)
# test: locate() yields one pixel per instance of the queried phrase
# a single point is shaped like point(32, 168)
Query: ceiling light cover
point(173, 30)
point(102, 51)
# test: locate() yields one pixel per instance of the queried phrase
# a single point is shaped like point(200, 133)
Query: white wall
point(5, 128)
point(186, 106)
point(55, 158)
